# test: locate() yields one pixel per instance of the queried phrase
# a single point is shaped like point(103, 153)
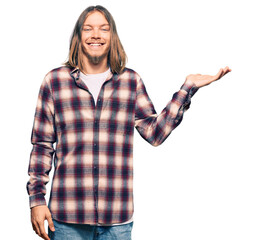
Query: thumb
point(50, 223)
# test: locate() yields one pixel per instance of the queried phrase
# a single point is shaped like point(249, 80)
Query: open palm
point(203, 80)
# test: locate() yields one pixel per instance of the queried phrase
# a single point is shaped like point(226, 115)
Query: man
point(89, 108)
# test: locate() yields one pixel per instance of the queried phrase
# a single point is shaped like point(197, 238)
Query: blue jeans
point(69, 231)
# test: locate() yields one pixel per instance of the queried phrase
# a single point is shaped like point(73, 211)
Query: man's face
point(95, 37)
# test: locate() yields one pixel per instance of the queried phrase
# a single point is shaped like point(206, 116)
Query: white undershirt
point(94, 83)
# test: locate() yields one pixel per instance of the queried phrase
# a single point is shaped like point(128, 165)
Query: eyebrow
point(106, 24)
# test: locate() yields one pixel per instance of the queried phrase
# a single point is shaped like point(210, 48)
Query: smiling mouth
point(95, 44)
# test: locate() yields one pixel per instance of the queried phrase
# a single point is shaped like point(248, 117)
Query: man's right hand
point(38, 215)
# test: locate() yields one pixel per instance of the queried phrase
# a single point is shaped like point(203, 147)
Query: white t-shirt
point(94, 83)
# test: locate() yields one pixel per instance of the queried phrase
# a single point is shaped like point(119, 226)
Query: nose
point(96, 33)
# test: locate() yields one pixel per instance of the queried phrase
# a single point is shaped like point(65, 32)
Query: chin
point(96, 59)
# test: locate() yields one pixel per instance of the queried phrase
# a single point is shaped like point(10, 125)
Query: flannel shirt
point(93, 155)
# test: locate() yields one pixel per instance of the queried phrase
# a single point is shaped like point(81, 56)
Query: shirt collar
point(75, 72)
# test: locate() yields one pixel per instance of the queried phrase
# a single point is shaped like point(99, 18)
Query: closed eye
point(86, 29)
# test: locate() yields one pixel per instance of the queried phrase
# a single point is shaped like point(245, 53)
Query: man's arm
point(43, 137)
point(156, 128)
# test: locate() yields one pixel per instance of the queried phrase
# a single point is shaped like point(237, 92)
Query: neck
point(90, 68)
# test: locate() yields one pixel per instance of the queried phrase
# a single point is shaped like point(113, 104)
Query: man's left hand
point(203, 80)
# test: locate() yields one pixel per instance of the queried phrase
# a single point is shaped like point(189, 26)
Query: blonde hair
point(116, 57)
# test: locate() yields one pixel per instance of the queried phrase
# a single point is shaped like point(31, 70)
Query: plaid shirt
point(93, 176)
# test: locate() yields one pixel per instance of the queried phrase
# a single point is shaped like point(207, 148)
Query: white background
point(201, 182)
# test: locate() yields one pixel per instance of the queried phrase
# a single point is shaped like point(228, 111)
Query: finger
point(219, 74)
point(50, 223)
point(42, 231)
point(226, 70)
point(223, 73)
point(36, 228)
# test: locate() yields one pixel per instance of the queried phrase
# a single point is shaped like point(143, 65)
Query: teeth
point(95, 44)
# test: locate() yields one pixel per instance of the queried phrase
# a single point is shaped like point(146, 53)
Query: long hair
point(116, 57)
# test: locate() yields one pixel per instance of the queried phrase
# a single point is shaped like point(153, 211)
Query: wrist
point(188, 85)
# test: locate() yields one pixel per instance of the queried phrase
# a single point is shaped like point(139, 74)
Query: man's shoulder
point(59, 73)
point(129, 70)
point(130, 73)
point(60, 70)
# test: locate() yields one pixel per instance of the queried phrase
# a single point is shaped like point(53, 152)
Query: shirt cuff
point(36, 200)
point(189, 87)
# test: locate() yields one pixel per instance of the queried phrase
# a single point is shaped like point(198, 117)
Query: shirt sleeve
point(43, 136)
point(156, 128)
